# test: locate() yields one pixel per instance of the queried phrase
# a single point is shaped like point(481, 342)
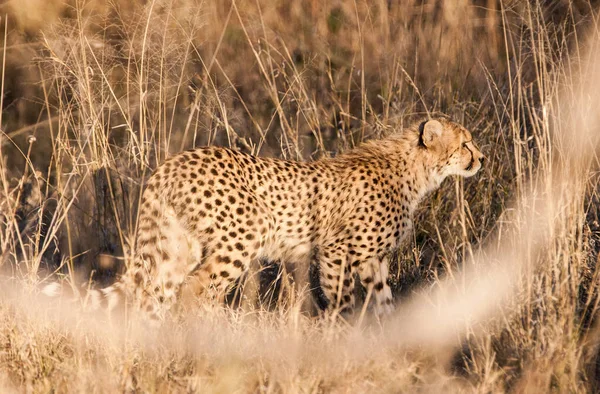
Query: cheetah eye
point(464, 144)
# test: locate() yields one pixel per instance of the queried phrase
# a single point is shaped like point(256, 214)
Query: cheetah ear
point(432, 130)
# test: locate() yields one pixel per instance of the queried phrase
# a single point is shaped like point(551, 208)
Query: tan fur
point(207, 213)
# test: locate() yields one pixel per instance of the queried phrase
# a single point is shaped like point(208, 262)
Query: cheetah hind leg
point(165, 258)
point(215, 277)
point(232, 246)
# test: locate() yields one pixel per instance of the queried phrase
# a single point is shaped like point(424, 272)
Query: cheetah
point(207, 213)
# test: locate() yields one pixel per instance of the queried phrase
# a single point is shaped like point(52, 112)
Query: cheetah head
point(451, 148)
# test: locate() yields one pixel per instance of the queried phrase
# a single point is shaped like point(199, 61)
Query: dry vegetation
point(97, 93)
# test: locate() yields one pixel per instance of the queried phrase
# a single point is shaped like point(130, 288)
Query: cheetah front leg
point(337, 282)
point(373, 275)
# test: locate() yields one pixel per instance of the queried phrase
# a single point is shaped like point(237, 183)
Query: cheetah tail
point(108, 298)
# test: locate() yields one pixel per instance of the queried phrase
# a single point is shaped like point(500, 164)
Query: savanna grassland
point(497, 289)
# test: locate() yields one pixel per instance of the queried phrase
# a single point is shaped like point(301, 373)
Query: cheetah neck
point(415, 174)
point(412, 168)
point(409, 167)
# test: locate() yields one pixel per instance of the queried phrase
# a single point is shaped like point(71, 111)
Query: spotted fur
point(207, 213)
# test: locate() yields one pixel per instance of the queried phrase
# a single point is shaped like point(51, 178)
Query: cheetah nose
point(481, 160)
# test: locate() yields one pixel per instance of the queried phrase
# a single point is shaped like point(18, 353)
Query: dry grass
point(497, 290)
